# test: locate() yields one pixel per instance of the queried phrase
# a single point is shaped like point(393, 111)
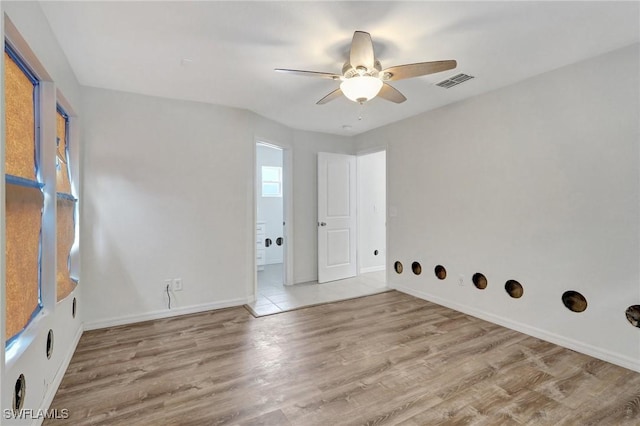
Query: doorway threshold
point(274, 300)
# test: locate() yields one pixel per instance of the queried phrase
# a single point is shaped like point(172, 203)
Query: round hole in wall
point(398, 267)
point(267, 242)
point(633, 315)
point(279, 241)
point(73, 308)
point(49, 344)
point(574, 301)
point(440, 272)
point(19, 394)
point(479, 280)
point(514, 288)
point(375, 252)
point(416, 268)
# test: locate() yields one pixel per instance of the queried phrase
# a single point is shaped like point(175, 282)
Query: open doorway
point(372, 201)
point(270, 232)
point(366, 194)
point(352, 219)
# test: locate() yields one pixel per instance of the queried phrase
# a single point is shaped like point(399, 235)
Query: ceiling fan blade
point(331, 96)
point(391, 94)
point(310, 73)
point(362, 51)
point(401, 72)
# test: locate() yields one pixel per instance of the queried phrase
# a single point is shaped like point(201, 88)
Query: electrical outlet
point(177, 284)
point(461, 280)
point(168, 283)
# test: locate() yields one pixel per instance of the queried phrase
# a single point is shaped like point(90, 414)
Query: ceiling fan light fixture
point(363, 77)
point(361, 88)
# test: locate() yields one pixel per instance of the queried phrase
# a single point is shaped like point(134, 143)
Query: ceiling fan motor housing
point(349, 70)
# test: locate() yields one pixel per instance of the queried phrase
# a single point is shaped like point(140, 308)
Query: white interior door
point(336, 216)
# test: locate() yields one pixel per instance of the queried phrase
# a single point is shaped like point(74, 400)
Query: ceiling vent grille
point(454, 81)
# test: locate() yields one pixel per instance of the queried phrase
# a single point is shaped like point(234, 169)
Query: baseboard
point(165, 313)
point(55, 384)
point(372, 269)
point(602, 354)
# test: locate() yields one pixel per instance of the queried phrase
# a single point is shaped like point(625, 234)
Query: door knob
point(322, 224)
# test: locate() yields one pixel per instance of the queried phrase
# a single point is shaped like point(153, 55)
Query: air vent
point(454, 81)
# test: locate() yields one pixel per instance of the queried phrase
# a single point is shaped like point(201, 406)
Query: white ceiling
point(234, 46)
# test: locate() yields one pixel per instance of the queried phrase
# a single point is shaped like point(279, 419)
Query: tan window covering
point(23, 203)
point(65, 230)
point(20, 121)
point(62, 172)
point(23, 222)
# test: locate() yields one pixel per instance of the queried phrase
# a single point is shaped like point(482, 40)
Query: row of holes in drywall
point(572, 300)
point(20, 388)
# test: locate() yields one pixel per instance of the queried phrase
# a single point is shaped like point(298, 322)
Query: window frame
point(65, 196)
point(64, 114)
point(278, 182)
point(13, 54)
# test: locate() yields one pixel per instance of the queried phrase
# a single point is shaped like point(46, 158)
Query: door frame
point(287, 209)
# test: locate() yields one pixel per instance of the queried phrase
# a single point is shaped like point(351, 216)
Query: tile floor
point(273, 297)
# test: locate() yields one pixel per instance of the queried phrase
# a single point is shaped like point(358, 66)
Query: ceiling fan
point(363, 78)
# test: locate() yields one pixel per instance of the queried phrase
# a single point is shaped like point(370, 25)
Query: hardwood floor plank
point(385, 359)
point(272, 418)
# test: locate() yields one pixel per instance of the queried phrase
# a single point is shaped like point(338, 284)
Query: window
point(63, 184)
point(271, 181)
point(66, 206)
point(24, 199)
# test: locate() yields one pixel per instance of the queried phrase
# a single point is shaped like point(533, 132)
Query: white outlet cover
point(177, 284)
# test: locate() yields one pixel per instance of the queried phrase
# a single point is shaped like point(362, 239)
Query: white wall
point(536, 182)
point(29, 31)
point(270, 209)
point(168, 193)
point(372, 202)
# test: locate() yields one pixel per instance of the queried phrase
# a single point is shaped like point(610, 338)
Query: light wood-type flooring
point(386, 359)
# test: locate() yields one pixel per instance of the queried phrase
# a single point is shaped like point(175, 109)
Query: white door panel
point(338, 179)
point(336, 216)
point(338, 245)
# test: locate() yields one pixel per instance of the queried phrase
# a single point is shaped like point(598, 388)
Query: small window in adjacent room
point(271, 181)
